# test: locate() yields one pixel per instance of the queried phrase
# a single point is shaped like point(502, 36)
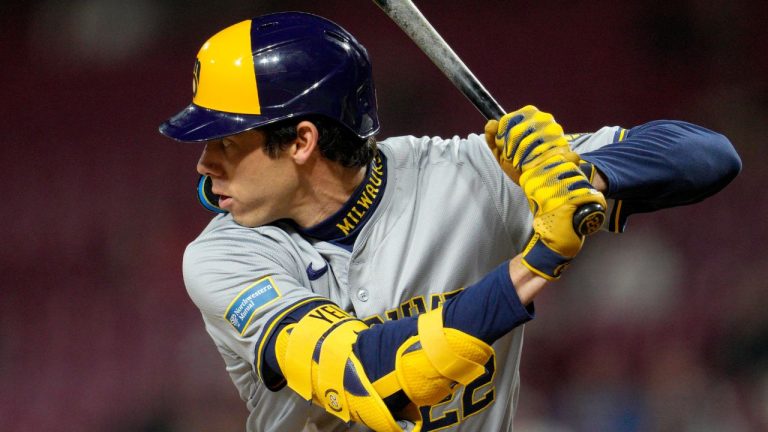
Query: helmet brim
point(195, 124)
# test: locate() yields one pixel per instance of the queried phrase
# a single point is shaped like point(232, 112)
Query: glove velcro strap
point(542, 260)
point(302, 343)
point(442, 355)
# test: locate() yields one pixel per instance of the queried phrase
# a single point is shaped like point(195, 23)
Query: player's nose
point(209, 163)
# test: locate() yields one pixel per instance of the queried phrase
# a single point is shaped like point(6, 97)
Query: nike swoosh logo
point(313, 274)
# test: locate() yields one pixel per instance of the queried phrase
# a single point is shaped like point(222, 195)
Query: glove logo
point(333, 400)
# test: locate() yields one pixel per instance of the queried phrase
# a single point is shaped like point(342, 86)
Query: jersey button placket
point(363, 295)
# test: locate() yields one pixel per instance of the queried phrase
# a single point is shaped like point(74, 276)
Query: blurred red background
point(661, 329)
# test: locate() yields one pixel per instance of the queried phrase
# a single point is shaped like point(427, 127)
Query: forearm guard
point(429, 365)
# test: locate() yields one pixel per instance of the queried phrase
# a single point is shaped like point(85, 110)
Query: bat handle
point(588, 218)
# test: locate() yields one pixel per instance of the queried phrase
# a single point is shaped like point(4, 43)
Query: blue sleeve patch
point(259, 294)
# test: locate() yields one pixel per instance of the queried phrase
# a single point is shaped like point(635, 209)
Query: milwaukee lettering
point(369, 193)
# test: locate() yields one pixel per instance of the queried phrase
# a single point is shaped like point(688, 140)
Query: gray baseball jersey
point(447, 216)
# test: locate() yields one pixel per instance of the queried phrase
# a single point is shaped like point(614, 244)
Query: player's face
point(253, 187)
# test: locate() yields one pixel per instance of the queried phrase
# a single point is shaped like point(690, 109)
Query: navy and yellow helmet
point(276, 67)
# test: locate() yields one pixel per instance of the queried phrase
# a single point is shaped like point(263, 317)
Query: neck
point(343, 226)
point(327, 186)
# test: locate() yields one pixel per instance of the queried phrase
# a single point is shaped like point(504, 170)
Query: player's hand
point(523, 139)
point(555, 188)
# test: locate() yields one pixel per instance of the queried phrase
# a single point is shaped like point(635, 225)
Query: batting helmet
point(275, 67)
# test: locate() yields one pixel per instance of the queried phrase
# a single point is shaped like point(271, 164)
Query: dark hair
point(336, 142)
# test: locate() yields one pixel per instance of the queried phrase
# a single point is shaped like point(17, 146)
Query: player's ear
point(307, 137)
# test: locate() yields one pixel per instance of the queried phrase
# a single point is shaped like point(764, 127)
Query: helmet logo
point(195, 77)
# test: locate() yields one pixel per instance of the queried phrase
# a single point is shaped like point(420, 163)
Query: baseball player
point(383, 285)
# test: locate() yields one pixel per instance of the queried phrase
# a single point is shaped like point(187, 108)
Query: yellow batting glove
point(520, 138)
point(555, 188)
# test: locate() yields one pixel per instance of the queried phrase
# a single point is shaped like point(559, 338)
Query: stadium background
point(664, 330)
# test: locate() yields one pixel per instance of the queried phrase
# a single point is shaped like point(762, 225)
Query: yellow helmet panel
point(225, 77)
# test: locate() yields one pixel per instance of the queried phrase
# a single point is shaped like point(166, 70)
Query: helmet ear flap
point(205, 195)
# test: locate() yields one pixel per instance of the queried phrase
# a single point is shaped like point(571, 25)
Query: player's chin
point(243, 220)
point(249, 219)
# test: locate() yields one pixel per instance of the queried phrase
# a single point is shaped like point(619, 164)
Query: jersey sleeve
point(243, 281)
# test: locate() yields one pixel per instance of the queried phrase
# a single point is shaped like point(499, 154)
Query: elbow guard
point(316, 358)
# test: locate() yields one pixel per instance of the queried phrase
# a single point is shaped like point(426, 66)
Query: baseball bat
point(588, 218)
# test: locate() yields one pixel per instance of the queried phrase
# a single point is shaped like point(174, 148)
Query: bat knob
point(588, 218)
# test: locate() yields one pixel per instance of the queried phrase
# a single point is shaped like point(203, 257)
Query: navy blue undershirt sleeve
point(486, 310)
point(666, 163)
